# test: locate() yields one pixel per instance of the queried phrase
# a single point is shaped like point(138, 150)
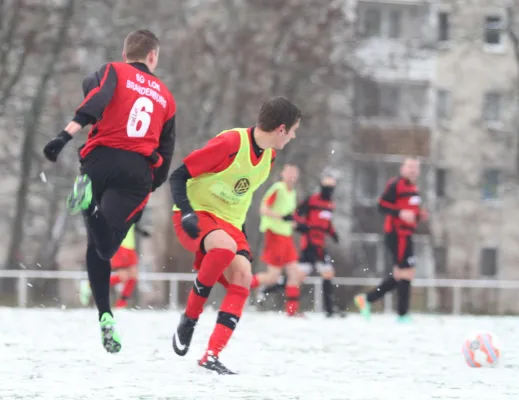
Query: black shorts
point(314, 254)
point(121, 185)
point(402, 249)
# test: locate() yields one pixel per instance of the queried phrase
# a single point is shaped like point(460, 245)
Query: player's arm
point(268, 202)
point(166, 149)
point(301, 215)
point(387, 201)
point(333, 232)
point(210, 158)
point(98, 89)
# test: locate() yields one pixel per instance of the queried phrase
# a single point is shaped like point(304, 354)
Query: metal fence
point(430, 285)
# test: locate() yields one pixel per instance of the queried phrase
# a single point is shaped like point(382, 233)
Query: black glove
point(190, 225)
point(303, 228)
point(288, 217)
point(54, 147)
point(335, 237)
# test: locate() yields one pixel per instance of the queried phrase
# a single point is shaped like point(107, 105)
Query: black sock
point(99, 276)
point(328, 296)
point(387, 285)
point(103, 236)
point(404, 292)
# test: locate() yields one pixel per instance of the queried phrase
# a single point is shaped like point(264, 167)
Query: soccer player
point(400, 203)
point(124, 269)
point(277, 222)
point(314, 217)
point(126, 156)
point(212, 191)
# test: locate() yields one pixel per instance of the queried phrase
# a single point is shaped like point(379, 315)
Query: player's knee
point(133, 272)
point(240, 277)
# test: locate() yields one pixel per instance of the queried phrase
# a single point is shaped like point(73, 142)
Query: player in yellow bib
point(212, 191)
point(277, 223)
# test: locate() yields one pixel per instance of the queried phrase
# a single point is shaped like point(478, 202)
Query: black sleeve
point(244, 231)
point(387, 202)
point(98, 89)
point(178, 185)
point(165, 149)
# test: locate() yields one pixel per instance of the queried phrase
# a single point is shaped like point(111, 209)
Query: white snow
point(56, 354)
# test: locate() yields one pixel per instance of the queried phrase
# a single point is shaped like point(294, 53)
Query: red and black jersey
point(129, 109)
point(400, 194)
point(316, 213)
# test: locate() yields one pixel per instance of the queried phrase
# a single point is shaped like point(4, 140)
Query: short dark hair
point(138, 44)
point(278, 111)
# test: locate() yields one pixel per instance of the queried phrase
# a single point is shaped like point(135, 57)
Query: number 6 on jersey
point(140, 118)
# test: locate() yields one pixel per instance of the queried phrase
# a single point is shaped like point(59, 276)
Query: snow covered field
point(56, 354)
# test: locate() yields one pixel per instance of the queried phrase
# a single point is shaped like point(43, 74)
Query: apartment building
point(441, 84)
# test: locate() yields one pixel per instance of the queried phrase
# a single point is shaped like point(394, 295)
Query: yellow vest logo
point(241, 187)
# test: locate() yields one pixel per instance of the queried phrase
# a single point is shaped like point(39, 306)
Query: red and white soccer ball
point(481, 349)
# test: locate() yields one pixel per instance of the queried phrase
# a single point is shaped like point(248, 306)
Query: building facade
point(439, 81)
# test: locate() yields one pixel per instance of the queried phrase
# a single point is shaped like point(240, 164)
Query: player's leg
point(405, 272)
point(364, 301)
point(289, 258)
point(99, 278)
point(128, 276)
point(292, 290)
point(220, 249)
point(239, 276)
point(111, 195)
point(268, 277)
point(327, 272)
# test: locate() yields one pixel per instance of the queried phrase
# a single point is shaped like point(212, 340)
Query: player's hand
point(190, 225)
point(54, 147)
point(288, 217)
point(408, 216)
point(303, 228)
point(335, 237)
point(424, 215)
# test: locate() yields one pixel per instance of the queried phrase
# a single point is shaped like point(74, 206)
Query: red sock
point(228, 317)
point(114, 279)
point(128, 288)
point(213, 265)
point(292, 294)
point(255, 282)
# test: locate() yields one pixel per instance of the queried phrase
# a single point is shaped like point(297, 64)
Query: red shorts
point(279, 250)
point(207, 223)
point(124, 258)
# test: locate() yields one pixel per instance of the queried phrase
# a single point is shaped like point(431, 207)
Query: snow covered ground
point(56, 354)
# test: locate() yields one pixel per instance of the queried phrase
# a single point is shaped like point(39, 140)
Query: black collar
point(141, 67)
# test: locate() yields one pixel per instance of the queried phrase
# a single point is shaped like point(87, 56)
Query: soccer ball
point(481, 349)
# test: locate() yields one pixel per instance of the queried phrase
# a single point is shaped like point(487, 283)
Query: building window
point(443, 104)
point(366, 185)
point(443, 26)
point(490, 187)
point(488, 266)
point(372, 22)
point(440, 259)
point(492, 107)
point(395, 24)
point(389, 101)
point(441, 177)
point(493, 29)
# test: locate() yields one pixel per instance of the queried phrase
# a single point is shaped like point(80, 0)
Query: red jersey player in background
point(401, 204)
point(126, 156)
point(213, 190)
point(314, 217)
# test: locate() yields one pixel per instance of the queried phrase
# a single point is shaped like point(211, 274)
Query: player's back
point(134, 117)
